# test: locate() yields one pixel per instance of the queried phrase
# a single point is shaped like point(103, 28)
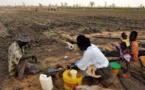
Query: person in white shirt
point(93, 56)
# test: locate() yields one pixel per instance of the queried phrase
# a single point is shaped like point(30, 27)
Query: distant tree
point(113, 5)
point(141, 6)
point(105, 4)
point(99, 6)
point(92, 3)
point(56, 5)
point(74, 5)
point(23, 4)
point(62, 4)
point(65, 4)
point(49, 5)
point(77, 5)
point(40, 5)
point(80, 5)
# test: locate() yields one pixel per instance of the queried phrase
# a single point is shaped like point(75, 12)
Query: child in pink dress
point(125, 53)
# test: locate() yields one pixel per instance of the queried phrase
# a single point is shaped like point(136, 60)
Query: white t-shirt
point(92, 56)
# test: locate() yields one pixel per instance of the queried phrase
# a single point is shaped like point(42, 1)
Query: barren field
point(50, 30)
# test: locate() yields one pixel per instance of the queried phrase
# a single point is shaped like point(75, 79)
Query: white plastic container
point(46, 82)
point(73, 74)
point(70, 47)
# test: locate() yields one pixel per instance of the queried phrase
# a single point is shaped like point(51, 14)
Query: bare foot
point(22, 79)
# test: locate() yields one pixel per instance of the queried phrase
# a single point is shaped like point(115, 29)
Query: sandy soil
point(50, 31)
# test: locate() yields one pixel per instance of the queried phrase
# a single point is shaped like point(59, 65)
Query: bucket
point(46, 82)
point(115, 67)
point(69, 81)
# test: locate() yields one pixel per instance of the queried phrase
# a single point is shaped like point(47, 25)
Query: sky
point(124, 3)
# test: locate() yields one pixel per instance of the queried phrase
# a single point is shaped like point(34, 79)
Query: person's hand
point(34, 58)
point(70, 65)
point(124, 51)
point(74, 67)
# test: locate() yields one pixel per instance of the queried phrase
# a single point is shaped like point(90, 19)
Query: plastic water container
point(73, 74)
point(46, 82)
point(115, 67)
point(70, 81)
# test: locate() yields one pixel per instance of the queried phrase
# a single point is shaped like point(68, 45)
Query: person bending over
point(93, 56)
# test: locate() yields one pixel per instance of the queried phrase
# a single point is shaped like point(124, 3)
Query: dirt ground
point(50, 30)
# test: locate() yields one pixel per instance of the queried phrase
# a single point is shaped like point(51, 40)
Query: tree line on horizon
point(90, 5)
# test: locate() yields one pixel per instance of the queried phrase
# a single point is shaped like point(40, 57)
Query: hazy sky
point(132, 3)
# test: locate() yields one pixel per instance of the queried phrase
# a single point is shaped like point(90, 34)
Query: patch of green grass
point(45, 70)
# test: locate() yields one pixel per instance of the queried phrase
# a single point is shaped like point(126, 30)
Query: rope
point(122, 83)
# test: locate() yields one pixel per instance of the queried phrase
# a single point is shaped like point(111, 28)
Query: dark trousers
point(107, 77)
